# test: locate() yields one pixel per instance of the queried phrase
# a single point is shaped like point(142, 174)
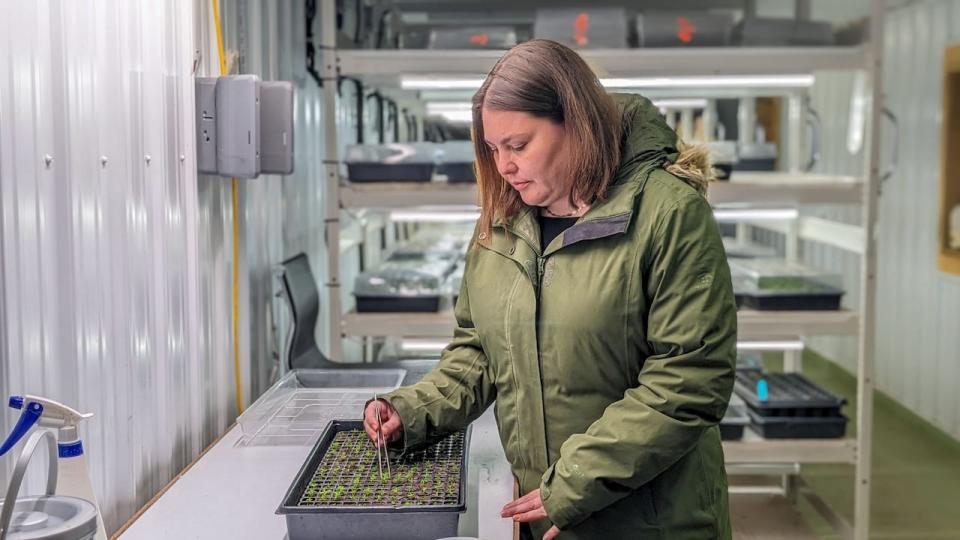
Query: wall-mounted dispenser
point(276, 127)
point(206, 108)
point(244, 126)
point(238, 126)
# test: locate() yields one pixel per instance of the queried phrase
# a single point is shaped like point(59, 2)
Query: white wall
point(918, 308)
point(104, 303)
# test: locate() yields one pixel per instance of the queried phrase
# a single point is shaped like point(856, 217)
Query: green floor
point(916, 468)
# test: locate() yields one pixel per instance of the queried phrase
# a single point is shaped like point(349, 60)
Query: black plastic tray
point(382, 172)
point(827, 300)
point(724, 170)
point(458, 172)
point(755, 164)
point(398, 304)
point(789, 395)
point(798, 427)
point(366, 522)
point(732, 424)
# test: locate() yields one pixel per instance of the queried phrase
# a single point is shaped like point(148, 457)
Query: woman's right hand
point(389, 422)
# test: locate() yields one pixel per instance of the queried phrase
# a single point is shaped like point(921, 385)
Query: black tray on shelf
point(398, 304)
point(458, 173)
point(732, 424)
point(799, 427)
point(789, 395)
point(780, 301)
point(383, 172)
point(319, 506)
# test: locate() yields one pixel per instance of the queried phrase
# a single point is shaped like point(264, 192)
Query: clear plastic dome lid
point(776, 275)
point(404, 278)
point(392, 153)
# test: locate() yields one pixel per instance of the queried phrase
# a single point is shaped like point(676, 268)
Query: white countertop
point(233, 491)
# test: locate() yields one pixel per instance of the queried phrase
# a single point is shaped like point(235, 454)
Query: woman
point(596, 312)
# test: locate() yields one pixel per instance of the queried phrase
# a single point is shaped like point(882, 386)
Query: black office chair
point(300, 292)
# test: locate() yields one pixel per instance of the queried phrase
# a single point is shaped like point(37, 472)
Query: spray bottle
point(73, 477)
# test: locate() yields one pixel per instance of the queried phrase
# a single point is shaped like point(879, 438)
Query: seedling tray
point(798, 427)
point(380, 172)
point(458, 172)
point(788, 395)
point(790, 293)
point(397, 304)
point(783, 301)
point(732, 424)
point(339, 493)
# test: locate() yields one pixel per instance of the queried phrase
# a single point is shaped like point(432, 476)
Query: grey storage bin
point(394, 162)
point(684, 29)
point(587, 28)
point(769, 32)
point(480, 37)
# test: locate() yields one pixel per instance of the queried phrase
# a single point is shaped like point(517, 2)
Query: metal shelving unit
point(755, 325)
point(384, 67)
point(744, 187)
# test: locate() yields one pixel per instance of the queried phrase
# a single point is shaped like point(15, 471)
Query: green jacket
point(609, 356)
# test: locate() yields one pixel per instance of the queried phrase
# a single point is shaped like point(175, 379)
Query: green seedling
point(427, 477)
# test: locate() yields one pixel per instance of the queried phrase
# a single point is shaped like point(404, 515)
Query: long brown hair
point(548, 80)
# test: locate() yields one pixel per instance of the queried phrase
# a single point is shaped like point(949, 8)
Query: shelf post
point(868, 274)
point(793, 361)
point(795, 115)
point(331, 169)
point(710, 120)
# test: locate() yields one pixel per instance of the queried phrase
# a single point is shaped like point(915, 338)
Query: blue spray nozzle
point(31, 413)
point(16, 402)
point(763, 392)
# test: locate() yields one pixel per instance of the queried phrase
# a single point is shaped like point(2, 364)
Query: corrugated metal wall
point(104, 305)
point(918, 318)
point(115, 260)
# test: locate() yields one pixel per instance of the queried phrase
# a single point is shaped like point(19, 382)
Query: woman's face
point(531, 154)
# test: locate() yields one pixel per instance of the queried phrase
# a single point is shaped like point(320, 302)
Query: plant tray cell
point(397, 304)
point(732, 424)
point(788, 395)
point(381, 172)
point(339, 492)
point(798, 427)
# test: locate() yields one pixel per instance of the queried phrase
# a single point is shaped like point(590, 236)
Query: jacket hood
point(645, 138)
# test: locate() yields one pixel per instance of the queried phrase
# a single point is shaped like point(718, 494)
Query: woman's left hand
point(529, 508)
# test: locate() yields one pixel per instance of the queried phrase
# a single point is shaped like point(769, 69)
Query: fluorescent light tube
point(422, 345)
point(691, 103)
point(780, 345)
point(425, 216)
point(435, 83)
point(755, 214)
point(735, 81)
point(452, 110)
